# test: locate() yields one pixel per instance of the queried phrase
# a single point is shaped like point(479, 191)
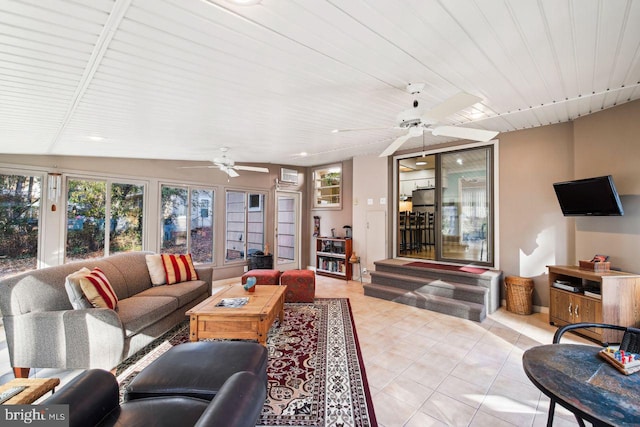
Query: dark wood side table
point(36, 388)
point(575, 377)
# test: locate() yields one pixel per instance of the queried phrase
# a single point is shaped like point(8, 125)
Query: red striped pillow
point(98, 290)
point(178, 268)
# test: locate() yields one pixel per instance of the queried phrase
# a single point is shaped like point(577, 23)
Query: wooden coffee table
point(252, 321)
point(36, 388)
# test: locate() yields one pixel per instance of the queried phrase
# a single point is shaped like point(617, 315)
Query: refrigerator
point(423, 200)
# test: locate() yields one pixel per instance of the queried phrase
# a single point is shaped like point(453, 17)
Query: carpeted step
point(487, 279)
point(427, 286)
point(461, 309)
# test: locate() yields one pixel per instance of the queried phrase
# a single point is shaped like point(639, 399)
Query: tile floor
point(429, 369)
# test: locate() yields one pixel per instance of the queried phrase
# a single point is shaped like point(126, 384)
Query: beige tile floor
point(429, 369)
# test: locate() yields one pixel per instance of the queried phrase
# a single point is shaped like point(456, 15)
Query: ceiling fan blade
point(251, 168)
point(232, 173)
point(396, 144)
point(464, 133)
point(359, 129)
point(450, 106)
point(196, 167)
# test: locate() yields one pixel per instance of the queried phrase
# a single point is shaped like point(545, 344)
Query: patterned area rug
point(315, 373)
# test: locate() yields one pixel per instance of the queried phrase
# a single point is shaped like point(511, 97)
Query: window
point(244, 224)
point(86, 208)
point(327, 187)
point(125, 227)
point(445, 206)
point(255, 202)
point(103, 217)
point(187, 222)
point(19, 223)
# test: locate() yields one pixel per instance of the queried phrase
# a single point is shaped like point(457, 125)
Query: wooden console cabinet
point(619, 303)
point(332, 257)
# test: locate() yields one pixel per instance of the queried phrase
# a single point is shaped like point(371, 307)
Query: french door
point(287, 230)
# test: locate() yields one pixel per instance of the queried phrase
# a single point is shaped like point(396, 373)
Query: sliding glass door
point(466, 194)
point(445, 206)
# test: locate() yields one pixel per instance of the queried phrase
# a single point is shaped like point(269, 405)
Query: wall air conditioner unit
point(289, 175)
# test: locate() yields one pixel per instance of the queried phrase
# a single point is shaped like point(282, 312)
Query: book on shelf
point(593, 293)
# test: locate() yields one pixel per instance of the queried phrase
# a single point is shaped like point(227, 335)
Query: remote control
point(9, 393)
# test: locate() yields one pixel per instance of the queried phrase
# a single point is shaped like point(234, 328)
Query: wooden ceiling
point(179, 79)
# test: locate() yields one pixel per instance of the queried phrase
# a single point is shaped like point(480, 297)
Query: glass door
point(445, 206)
point(466, 200)
point(287, 248)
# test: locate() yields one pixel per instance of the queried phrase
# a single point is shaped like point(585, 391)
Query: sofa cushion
point(138, 312)
point(72, 284)
point(184, 292)
point(98, 290)
point(156, 269)
point(178, 268)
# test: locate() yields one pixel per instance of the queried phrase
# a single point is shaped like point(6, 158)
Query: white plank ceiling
point(178, 79)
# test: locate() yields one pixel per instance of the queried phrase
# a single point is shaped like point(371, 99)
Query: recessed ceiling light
point(420, 163)
point(459, 161)
point(245, 2)
point(304, 154)
point(96, 138)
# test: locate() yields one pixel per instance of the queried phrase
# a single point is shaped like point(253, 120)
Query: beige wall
point(533, 231)
point(370, 177)
point(608, 143)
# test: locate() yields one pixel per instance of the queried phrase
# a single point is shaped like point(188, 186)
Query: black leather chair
point(93, 400)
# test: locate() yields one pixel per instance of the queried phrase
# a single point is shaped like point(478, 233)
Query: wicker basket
point(519, 294)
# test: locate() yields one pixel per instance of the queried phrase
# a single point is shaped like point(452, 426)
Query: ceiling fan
point(417, 123)
point(228, 166)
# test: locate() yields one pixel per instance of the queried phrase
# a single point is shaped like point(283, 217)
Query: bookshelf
point(332, 257)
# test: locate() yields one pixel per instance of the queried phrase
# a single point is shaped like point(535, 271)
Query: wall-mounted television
point(591, 196)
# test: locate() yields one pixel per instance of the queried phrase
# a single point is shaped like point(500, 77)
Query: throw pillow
point(98, 290)
point(74, 291)
point(156, 269)
point(178, 268)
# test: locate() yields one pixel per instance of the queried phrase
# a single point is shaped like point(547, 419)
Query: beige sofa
point(44, 331)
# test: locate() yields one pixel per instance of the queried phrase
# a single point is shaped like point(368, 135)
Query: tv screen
point(591, 196)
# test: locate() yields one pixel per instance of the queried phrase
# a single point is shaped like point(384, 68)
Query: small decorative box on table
point(595, 266)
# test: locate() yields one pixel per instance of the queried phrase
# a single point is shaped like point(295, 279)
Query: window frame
point(190, 187)
point(109, 181)
point(317, 180)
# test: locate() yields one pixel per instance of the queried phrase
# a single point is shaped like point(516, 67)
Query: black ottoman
point(197, 369)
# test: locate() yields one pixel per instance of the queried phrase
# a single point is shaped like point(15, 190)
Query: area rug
point(465, 268)
point(315, 373)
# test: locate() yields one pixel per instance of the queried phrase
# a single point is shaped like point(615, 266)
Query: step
point(448, 289)
point(462, 309)
point(490, 280)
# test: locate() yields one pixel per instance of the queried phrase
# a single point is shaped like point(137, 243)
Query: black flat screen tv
point(589, 197)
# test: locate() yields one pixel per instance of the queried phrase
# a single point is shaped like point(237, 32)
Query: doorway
point(445, 206)
point(287, 231)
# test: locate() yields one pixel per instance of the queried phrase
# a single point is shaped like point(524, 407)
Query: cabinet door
point(560, 306)
point(587, 310)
